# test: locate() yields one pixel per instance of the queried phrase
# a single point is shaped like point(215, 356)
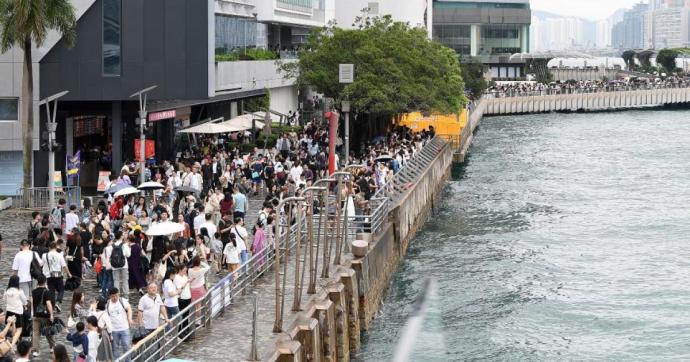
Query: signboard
point(149, 149)
point(103, 180)
point(157, 116)
point(347, 73)
point(57, 180)
point(73, 165)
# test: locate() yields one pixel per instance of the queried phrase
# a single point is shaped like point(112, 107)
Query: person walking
point(182, 282)
point(117, 255)
point(240, 203)
point(43, 300)
point(137, 262)
point(197, 280)
point(259, 245)
point(120, 314)
point(150, 309)
point(171, 293)
point(15, 302)
point(54, 268)
point(242, 236)
point(21, 266)
point(231, 255)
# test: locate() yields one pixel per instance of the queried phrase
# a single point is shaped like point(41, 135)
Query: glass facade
point(456, 37)
point(112, 37)
point(235, 33)
point(295, 5)
point(9, 109)
point(496, 39)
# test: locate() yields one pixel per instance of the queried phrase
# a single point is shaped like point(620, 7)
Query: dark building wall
point(163, 42)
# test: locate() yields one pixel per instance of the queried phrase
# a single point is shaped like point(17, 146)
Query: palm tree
point(24, 23)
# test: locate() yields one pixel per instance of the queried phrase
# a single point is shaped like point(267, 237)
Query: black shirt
point(43, 295)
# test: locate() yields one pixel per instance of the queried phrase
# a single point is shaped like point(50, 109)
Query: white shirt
point(295, 173)
point(53, 262)
point(231, 254)
point(197, 276)
point(198, 220)
point(150, 307)
point(168, 289)
point(241, 237)
point(71, 221)
point(211, 228)
point(22, 264)
point(109, 251)
point(181, 283)
point(94, 341)
point(118, 314)
point(15, 300)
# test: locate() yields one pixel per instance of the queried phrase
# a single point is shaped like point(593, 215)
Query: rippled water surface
point(567, 237)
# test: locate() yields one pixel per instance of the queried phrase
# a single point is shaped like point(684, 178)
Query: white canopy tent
point(209, 128)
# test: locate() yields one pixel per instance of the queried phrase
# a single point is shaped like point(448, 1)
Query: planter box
point(6, 203)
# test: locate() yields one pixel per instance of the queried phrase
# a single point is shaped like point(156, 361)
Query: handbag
point(98, 266)
point(71, 323)
point(72, 283)
point(162, 268)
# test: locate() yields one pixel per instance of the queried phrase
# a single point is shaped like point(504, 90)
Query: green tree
point(667, 59)
point(644, 57)
point(629, 59)
point(25, 23)
point(473, 75)
point(397, 69)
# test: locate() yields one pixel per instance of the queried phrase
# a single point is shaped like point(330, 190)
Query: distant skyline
point(587, 9)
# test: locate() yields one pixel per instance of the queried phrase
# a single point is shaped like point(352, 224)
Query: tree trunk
point(28, 113)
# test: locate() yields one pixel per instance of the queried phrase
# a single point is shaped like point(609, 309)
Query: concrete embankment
point(329, 326)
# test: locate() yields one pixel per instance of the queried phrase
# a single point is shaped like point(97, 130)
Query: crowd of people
point(207, 191)
point(519, 89)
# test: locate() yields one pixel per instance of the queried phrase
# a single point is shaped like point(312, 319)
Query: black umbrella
point(384, 158)
point(186, 189)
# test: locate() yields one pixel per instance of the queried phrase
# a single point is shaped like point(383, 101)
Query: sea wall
point(330, 325)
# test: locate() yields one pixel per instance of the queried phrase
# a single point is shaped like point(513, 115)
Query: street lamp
point(52, 127)
point(346, 110)
point(142, 127)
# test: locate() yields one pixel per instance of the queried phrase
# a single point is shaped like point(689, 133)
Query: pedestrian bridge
point(601, 100)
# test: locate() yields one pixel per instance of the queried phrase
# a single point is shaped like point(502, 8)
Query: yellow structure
point(444, 124)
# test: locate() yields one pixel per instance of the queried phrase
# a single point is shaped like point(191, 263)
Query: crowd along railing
point(511, 93)
point(162, 342)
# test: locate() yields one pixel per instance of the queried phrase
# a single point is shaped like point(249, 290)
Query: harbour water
point(566, 237)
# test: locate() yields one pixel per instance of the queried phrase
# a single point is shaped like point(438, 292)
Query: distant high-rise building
point(629, 33)
point(667, 24)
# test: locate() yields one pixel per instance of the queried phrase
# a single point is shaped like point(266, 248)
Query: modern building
point(629, 33)
point(668, 24)
point(126, 45)
point(417, 13)
point(489, 31)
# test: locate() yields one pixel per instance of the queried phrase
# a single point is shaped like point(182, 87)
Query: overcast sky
point(589, 9)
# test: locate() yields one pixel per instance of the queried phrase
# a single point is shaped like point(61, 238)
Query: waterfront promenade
point(574, 100)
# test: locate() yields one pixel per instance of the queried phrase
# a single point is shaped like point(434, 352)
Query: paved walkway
point(229, 337)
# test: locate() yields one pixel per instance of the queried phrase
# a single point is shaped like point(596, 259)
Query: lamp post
point(346, 110)
point(142, 127)
point(52, 127)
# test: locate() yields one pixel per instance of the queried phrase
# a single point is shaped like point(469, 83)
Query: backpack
point(117, 257)
point(56, 218)
point(35, 268)
point(32, 231)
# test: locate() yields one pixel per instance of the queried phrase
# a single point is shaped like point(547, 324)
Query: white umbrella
point(164, 228)
point(127, 191)
point(243, 123)
point(151, 185)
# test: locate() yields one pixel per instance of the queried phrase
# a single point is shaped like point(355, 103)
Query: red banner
point(149, 149)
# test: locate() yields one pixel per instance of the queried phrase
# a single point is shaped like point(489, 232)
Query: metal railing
point(38, 198)
point(162, 342)
point(510, 93)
